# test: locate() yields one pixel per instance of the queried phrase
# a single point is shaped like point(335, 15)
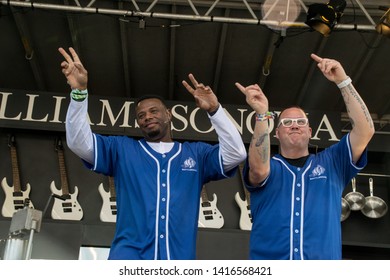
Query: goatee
point(153, 134)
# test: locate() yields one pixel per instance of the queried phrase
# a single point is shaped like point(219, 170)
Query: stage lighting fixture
point(323, 17)
point(383, 27)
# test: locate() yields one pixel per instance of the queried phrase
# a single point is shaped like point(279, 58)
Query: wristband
point(265, 116)
point(79, 95)
point(344, 83)
point(213, 112)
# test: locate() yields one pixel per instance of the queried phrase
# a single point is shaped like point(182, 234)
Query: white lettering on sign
point(327, 128)
point(23, 109)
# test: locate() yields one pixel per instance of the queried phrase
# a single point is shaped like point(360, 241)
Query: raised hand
point(73, 69)
point(254, 97)
point(331, 69)
point(204, 96)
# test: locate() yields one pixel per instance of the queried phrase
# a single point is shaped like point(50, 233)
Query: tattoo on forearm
point(261, 144)
point(261, 139)
point(264, 154)
point(350, 92)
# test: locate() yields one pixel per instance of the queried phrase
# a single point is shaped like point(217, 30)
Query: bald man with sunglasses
point(295, 195)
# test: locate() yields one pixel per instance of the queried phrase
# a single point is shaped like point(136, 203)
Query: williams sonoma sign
point(47, 111)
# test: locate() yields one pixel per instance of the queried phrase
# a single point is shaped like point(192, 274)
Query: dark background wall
point(363, 237)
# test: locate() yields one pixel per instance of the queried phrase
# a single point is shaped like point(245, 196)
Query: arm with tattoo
point(259, 153)
point(362, 124)
point(259, 149)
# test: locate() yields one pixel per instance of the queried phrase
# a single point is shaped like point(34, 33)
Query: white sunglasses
point(288, 122)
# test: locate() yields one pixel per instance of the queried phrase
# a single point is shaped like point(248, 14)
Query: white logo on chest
point(317, 172)
point(189, 164)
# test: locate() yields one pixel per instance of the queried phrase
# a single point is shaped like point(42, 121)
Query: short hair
point(151, 96)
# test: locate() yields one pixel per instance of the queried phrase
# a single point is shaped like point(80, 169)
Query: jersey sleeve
point(105, 149)
point(212, 163)
point(341, 153)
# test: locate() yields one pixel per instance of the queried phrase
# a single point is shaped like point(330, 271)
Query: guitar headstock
point(241, 169)
point(58, 145)
point(11, 141)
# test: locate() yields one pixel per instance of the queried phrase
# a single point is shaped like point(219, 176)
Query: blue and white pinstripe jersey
point(296, 211)
point(157, 194)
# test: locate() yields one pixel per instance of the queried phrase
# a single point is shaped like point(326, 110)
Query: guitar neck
point(246, 192)
point(64, 179)
point(111, 186)
point(203, 194)
point(15, 170)
point(247, 195)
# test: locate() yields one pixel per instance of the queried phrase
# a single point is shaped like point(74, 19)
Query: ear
point(277, 133)
point(169, 114)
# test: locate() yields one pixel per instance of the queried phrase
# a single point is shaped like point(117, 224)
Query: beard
point(153, 134)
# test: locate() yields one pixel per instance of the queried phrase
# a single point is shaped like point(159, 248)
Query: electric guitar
point(108, 210)
point(68, 208)
point(15, 197)
point(246, 216)
point(209, 215)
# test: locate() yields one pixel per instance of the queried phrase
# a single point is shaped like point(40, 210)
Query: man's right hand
point(73, 69)
point(254, 97)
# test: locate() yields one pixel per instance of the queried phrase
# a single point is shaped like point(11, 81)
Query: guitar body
point(14, 200)
point(209, 215)
point(108, 210)
point(246, 216)
point(68, 209)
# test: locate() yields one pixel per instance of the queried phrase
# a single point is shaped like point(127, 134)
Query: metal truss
point(134, 10)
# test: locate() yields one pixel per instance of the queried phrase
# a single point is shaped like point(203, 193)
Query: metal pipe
point(30, 240)
point(129, 13)
point(365, 12)
point(373, 175)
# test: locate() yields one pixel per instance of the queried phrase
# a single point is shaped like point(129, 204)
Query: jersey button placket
point(297, 214)
point(163, 209)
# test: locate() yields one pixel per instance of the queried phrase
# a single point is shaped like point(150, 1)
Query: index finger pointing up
point(193, 80)
point(188, 87)
point(240, 87)
point(316, 57)
point(74, 54)
point(68, 58)
point(65, 55)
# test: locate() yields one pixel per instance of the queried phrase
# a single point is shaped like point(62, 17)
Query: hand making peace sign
point(74, 70)
point(204, 96)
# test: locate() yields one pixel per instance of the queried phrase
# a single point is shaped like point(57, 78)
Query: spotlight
point(383, 27)
point(323, 17)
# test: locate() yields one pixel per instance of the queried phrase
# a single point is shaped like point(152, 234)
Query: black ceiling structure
point(136, 47)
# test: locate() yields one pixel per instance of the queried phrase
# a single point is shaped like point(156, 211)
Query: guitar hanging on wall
point(68, 208)
point(108, 210)
point(209, 215)
point(245, 205)
point(15, 197)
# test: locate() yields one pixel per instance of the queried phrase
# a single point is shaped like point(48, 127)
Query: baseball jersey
point(296, 211)
point(157, 194)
